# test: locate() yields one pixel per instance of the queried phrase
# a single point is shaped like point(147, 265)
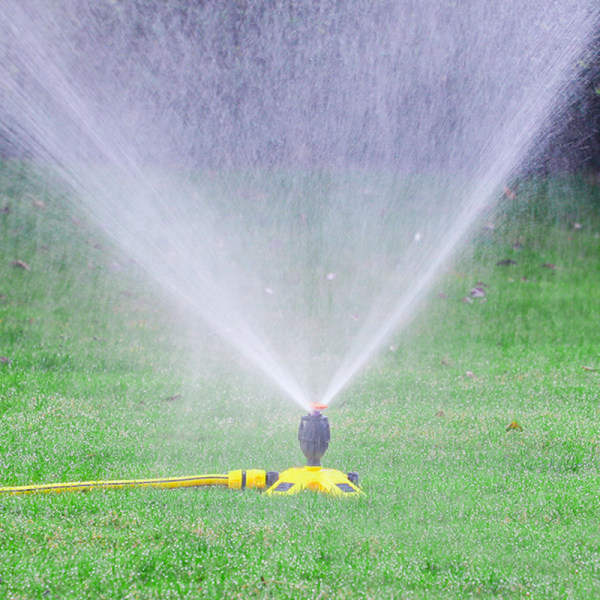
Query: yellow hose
point(239, 479)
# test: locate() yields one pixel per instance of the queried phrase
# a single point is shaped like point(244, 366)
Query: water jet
point(298, 176)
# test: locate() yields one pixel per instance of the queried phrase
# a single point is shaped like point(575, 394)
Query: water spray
point(313, 434)
point(332, 242)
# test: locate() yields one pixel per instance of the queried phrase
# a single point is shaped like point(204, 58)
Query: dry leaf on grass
point(21, 264)
point(514, 426)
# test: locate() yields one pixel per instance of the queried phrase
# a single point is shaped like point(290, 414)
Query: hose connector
point(252, 478)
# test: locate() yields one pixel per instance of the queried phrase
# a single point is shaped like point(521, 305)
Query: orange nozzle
point(317, 406)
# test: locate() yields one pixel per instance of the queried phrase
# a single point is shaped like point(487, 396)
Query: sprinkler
point(313, 435)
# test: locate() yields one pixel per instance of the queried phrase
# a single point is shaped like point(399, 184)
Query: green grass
point(95, 385)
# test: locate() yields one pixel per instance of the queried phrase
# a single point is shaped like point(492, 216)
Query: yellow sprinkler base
point(316, 479)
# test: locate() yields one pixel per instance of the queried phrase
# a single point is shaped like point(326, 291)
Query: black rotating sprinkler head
point(314, 436)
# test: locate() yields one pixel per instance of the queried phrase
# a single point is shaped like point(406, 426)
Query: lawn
point(96, 383)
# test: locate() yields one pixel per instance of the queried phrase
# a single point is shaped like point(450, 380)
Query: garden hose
point(234, 480)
